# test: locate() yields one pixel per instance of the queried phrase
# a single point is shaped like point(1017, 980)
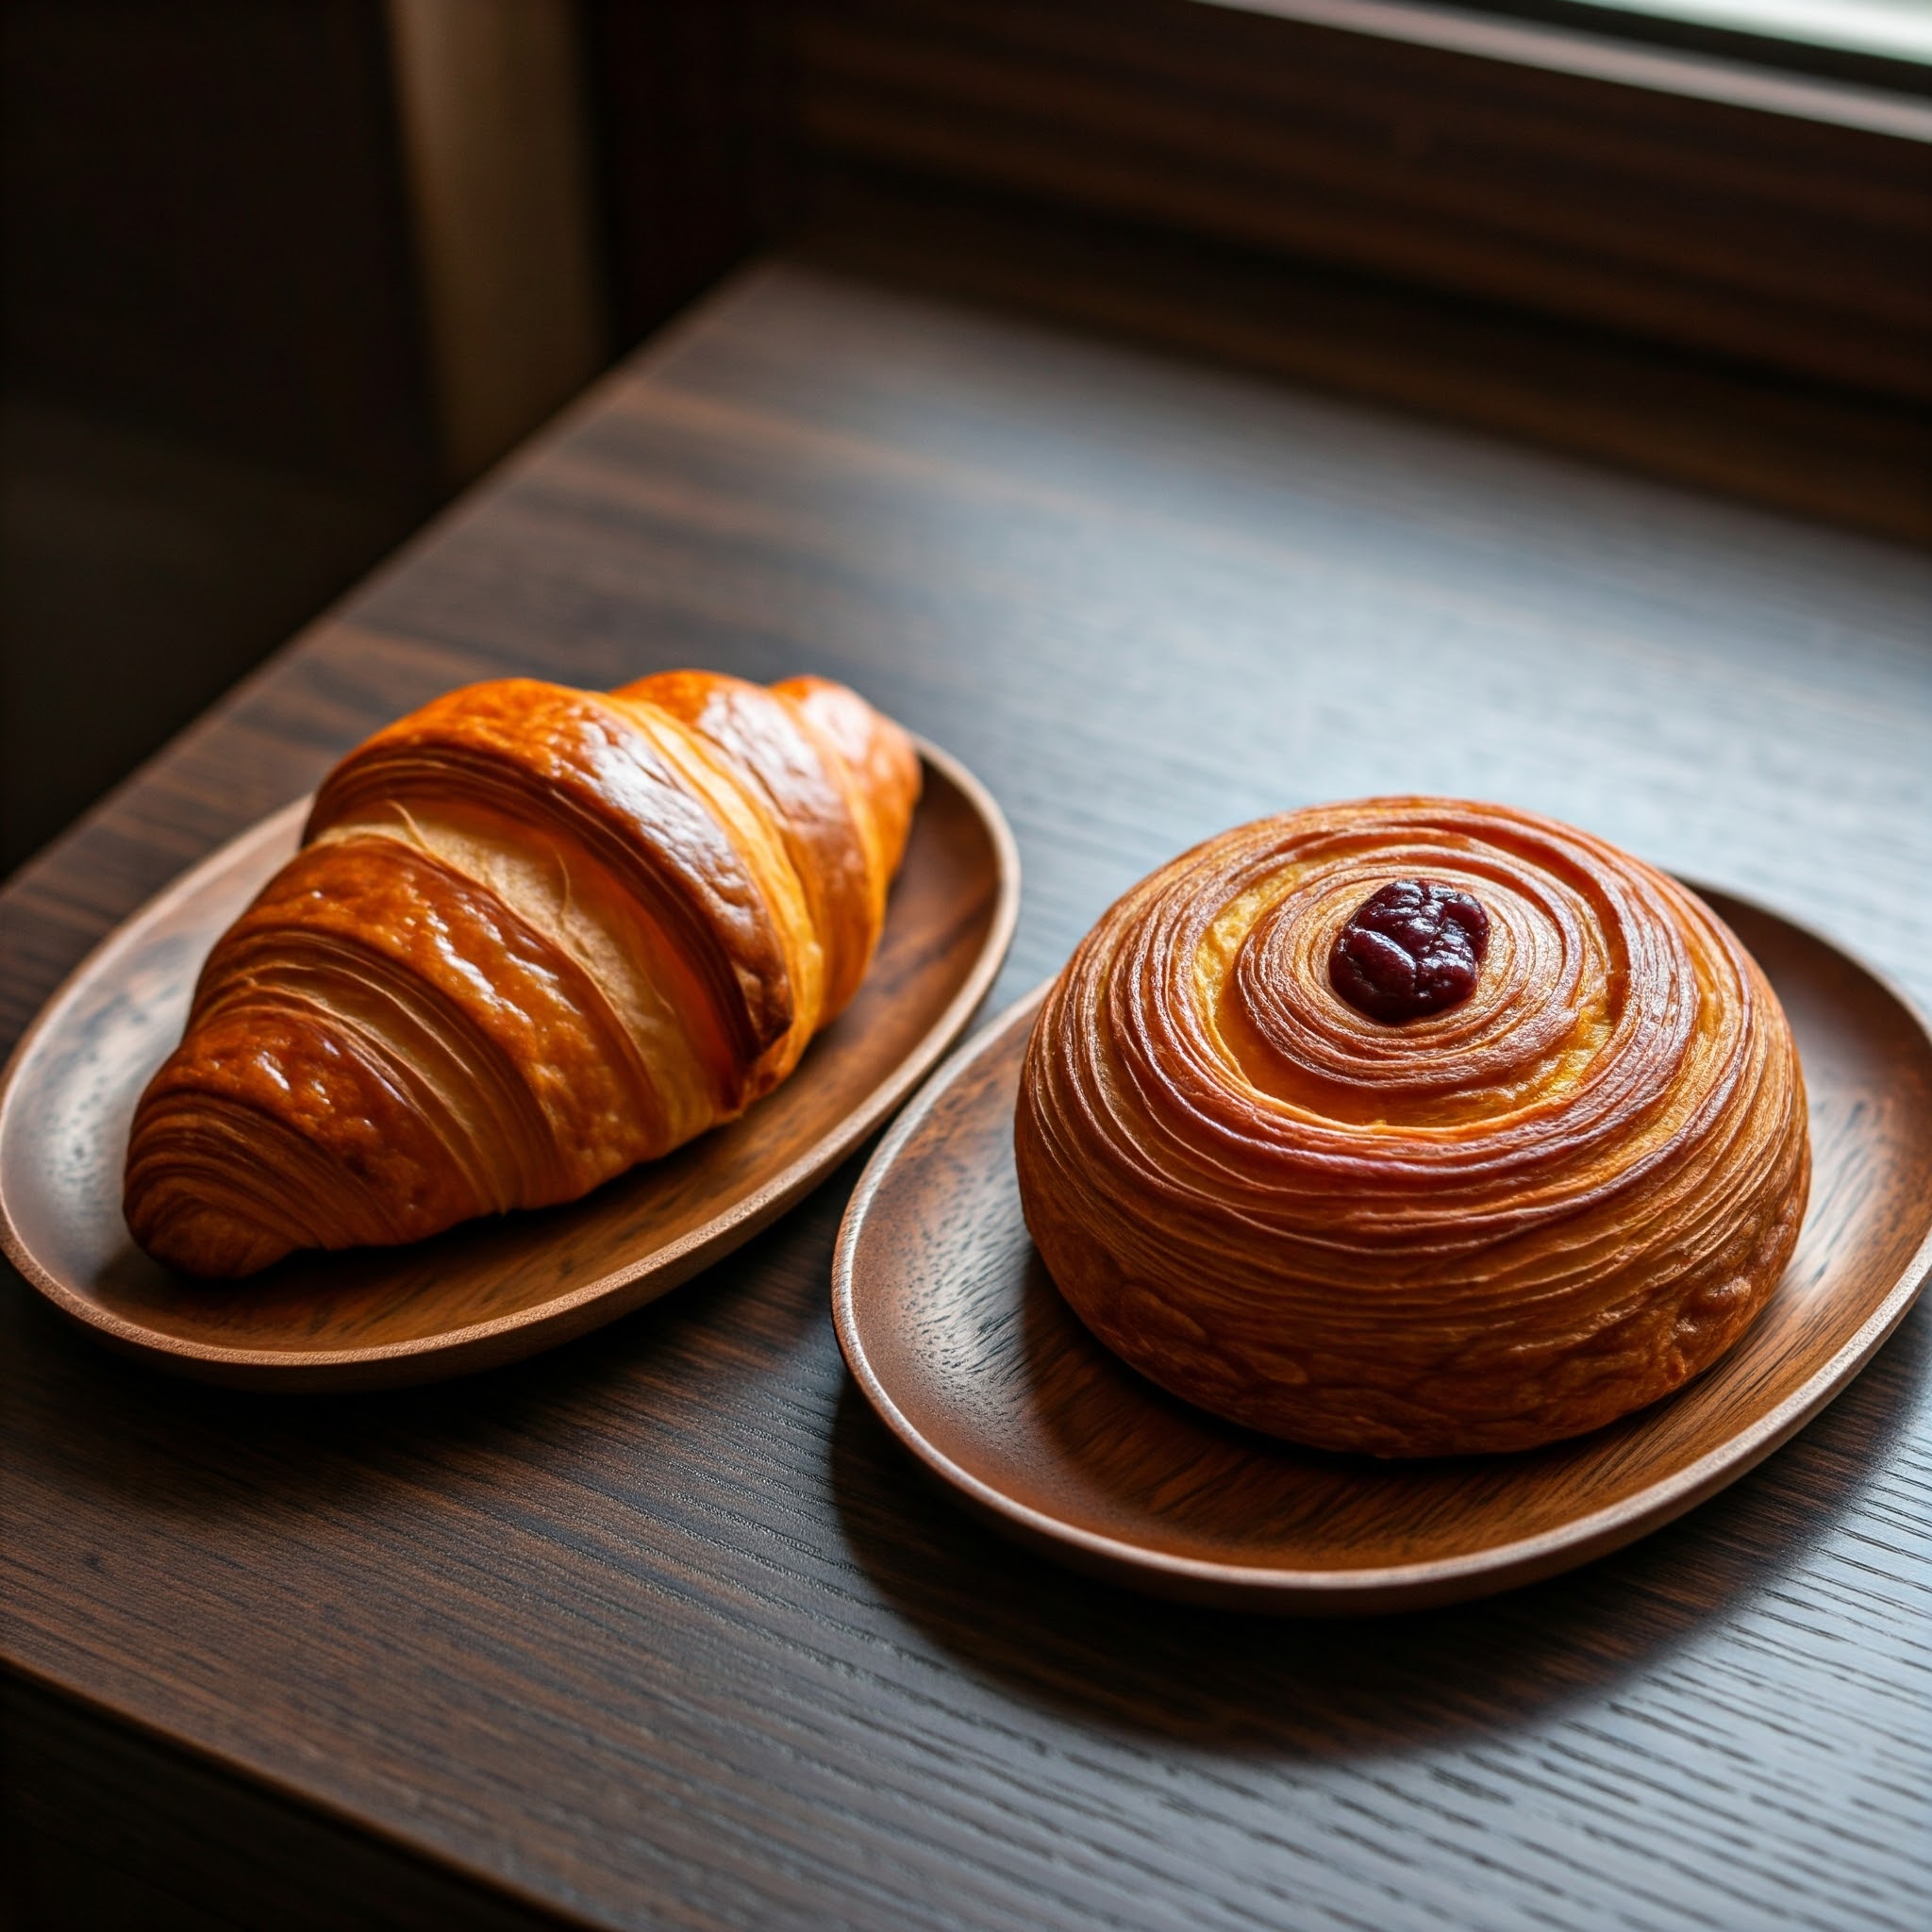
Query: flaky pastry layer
point(533, 936)
point(1493, 1227)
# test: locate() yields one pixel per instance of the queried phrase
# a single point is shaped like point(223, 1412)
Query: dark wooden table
point(661, 1629)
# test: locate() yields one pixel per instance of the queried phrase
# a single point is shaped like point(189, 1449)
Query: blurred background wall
point(281, 276)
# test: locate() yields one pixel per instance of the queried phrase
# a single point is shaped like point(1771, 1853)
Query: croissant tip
point(207, 1241)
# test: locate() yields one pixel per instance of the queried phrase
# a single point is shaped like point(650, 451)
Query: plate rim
point(1387, 1587)
point(559, 1319)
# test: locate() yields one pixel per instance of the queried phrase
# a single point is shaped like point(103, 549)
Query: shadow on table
point(1325, 1688)
point(658, 1386)
point(150, 1448)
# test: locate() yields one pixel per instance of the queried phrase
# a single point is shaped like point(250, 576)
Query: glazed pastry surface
point(1483, 1228)
point(533, 936)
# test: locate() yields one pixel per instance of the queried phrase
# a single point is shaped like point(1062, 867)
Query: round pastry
point(1414, 1127)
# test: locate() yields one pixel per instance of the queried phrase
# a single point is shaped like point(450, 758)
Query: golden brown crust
point(1496, 1226)
point(878, 773)
point(569, 763)
point(843, 802)
point(533, 936)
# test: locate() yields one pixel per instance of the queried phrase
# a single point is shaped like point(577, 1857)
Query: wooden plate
point(955, 1333)
point(491, 1290)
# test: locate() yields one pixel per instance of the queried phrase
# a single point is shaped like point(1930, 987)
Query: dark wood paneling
point(1799, 245)
point(660, 1629)
point(206, 226)
point(694, 119)
point(143, 569)
point(217, 404)
point(1823, 451)
point(1194, 174)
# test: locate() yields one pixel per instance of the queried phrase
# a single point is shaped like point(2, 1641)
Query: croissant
point(532, 937)
point(1556, 1176)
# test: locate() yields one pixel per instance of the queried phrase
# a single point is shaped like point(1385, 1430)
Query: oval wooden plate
point(491, 1290)
point(955, 1333)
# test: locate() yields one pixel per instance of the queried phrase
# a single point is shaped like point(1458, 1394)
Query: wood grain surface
point(662, 1629)
point(951, 1325)
point(492, 1291)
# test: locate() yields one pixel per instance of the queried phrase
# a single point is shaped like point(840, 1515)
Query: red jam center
point(1413, 948)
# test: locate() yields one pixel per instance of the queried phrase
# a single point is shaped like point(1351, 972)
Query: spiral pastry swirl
point(1487, 1228)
